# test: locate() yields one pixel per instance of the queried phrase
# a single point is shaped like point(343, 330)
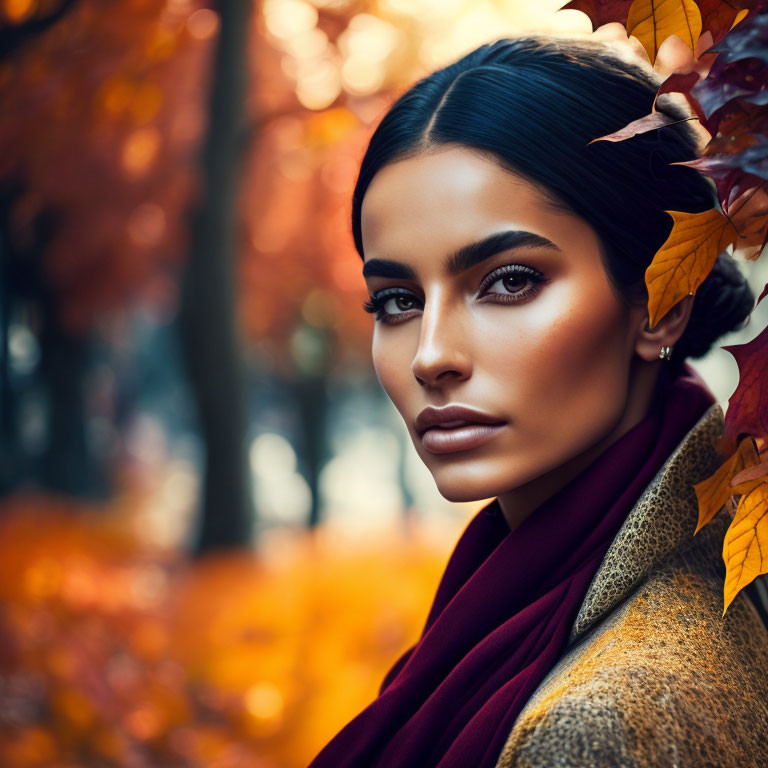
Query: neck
point(518, 503)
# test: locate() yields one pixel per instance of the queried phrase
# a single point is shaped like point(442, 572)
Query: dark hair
point(533, 103)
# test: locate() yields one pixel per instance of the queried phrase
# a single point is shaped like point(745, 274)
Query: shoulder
point(665, 680)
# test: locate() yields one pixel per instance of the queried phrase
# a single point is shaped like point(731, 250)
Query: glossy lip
point(455, 428)
point(442, 440)
point(452, 416)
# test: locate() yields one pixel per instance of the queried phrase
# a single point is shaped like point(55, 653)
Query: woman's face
point(490, 300)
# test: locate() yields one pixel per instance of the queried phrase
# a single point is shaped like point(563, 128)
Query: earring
point(665, 353)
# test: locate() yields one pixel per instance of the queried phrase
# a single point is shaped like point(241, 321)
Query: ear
point(648, 341)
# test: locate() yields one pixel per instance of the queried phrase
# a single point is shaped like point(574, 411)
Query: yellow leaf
point(653, 21)
point(745, 547)
point(739, 16)
point(715, 491)
point(685, 259)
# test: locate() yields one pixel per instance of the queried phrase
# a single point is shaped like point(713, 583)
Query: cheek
point(566, 360)
point(392, 363)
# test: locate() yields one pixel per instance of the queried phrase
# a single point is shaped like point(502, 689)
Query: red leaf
point(601, 12)
point(747, 406)
point(718, 16)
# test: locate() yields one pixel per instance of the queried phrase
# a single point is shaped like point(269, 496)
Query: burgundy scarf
point(505, 606)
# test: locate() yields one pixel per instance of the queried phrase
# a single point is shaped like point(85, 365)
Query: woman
point(578, 621)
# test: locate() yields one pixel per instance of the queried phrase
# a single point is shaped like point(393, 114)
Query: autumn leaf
point(601, 11)
point(745, 481)
point(746, 412)
point(748, 39)
point(745, 547)
point(727, 81)
point(744, 199)
point(685, 259)
point(735, 78)
point(653, 21)
point(683, 80)
point(716, 490)
point(747, 203)
point(641, 125)
point(748, 210)
point(718, 17)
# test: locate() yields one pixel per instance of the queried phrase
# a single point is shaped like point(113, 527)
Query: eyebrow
point(465, 257)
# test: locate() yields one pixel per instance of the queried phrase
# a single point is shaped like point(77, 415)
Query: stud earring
point(665, 353)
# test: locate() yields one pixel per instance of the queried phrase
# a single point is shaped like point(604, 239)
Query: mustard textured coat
point(653, 675)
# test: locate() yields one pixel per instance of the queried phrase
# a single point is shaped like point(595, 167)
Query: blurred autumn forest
point(135, 125)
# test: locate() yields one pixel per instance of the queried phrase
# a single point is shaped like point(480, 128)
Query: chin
point(457, 491)
point(476, 481)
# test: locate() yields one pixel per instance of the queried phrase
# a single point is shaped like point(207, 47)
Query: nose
point(440, 357)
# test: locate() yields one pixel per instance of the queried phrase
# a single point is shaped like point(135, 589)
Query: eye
point(511, 283)
point(391, 303)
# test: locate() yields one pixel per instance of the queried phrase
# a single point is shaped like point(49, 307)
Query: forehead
point(444, 198)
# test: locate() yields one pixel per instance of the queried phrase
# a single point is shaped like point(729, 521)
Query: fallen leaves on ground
point(114, 654)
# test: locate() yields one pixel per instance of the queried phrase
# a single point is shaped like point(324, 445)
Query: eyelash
point(378, 300)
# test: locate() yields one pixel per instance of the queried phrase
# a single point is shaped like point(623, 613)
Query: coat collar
point(661, 521)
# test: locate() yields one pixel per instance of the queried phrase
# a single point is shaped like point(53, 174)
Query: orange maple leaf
point(746, 412)
point(745, 547)
point(716, 490)
point(653, 21)
point(748, 210)
point(687, 256)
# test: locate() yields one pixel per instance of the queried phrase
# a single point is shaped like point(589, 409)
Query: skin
point(569, 367)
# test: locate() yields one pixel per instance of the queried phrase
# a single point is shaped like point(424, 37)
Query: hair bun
point(722, 303)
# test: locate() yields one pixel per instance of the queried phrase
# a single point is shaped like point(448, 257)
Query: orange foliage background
point(115, 653)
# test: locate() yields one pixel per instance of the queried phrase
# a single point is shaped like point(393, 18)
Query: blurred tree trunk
point(10, 446)
point(208, 319)
point(68, 464)
point(311, 394)
point(64, 362)
point(309, 387)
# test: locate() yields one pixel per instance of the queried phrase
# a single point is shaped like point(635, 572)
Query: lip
point(455, 428)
